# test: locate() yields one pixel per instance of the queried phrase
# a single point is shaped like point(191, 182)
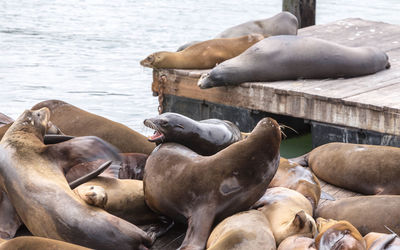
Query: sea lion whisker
point(390, 230)
point(285, 126)
point(172, 241)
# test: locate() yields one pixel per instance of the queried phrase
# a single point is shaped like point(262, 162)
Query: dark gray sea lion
point(186, 186)
point(380, 241)
point(366, 213)
point(205, 137)
point(366, 169)
point(77, 122)
point(284, 23)
point(32, 174)
point(291, 57)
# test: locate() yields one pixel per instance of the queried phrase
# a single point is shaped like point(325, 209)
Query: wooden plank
point(335, 192)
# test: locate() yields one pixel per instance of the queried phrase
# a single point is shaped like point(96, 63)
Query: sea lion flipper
point(9, 219)
point(81, 149)
point(55, 138)
point(89, 176)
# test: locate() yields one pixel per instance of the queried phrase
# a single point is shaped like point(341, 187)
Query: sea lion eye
point(163, 122)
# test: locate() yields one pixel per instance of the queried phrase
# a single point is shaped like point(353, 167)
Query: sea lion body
point(296, 242)
point(279, 58)
point(205, 137)
point(203, 55)
point(293, 176)
point(366, 213)
point(242, 231)
point(338, 235)
point(366, 169)
point(184, 185)
point(288, 212)
point(380, 241)
point(32, 174)
point(77, 122)
point(34, 242)
point(284, 23)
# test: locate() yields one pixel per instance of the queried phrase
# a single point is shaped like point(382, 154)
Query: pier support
point(304, 10)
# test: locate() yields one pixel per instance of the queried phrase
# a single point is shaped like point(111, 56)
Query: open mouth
point(158, 136)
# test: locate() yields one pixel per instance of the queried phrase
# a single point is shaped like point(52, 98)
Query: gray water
point(87, 52)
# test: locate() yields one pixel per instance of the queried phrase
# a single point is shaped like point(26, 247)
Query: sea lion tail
point(90, 175)
point(301, 160)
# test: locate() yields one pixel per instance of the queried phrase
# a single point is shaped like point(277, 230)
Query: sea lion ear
point(300, 219)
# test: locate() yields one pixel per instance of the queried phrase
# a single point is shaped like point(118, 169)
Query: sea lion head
point(167, 126)
point(302, 224)
point(153, 60)
point(32, 121)
point(338, 235)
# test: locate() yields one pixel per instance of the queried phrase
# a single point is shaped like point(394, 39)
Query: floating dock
point(359, 110)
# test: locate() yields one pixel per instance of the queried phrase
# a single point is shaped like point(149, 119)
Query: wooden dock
point(370, 103)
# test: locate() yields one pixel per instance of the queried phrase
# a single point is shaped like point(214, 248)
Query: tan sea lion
point(34, 242)
point(242, 231)
point(288, 212)
point(366, 213)
point(296, 242)
point(380, 241)
point(183, 185)
point(203, 55)
point(286, 57)
point(77, 122)
point(366, 169)
point(338, 235)
point(32, 174)
point(293, 176)
point(205, 137)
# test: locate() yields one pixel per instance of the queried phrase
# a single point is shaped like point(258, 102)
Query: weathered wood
point(369, 102)
point(304, 10)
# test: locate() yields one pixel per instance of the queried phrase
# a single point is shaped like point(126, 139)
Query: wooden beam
point(304, 10)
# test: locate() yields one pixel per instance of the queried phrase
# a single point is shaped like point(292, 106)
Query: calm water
point(87, 52)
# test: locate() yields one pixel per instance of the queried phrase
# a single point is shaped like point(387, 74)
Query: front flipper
point(89, 176)
point(9, 219)
point(81, 149)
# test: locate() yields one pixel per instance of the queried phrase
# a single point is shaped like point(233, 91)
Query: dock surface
point(369, 102)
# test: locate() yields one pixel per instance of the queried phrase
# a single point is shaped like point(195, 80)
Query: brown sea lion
point(279, 58)
point(34, 242)
point(288, 212)
point(293, 176)
point(184, 185)
point(77, 122)
point(380, 241)
point(338, 235)
point(203, 55)
point(205, 137)
point(242, 231)
point(4, 119)
point(32, 174)
point(296, 242)
point(366, 169)
point(366, 213)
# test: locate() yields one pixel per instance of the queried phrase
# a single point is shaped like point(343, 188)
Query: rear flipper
point(301, 160)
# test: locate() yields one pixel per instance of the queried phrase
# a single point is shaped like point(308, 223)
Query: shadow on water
point(296, 146)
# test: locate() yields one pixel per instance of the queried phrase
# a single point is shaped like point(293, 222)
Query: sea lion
point(366, 213)
point(288, 212)
point(338, 235)
point(184, 185)
point(203, 55)
point(205, 137)
point(242, 231)
point(5, 119)
point(279, 58)
point(293, 176)
point(77, 122)
point(380, 241)
point(32, 174)
point(366, 169)
point(131, 167)
point(296, 242)
point(34, 242)
point(284, 23)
